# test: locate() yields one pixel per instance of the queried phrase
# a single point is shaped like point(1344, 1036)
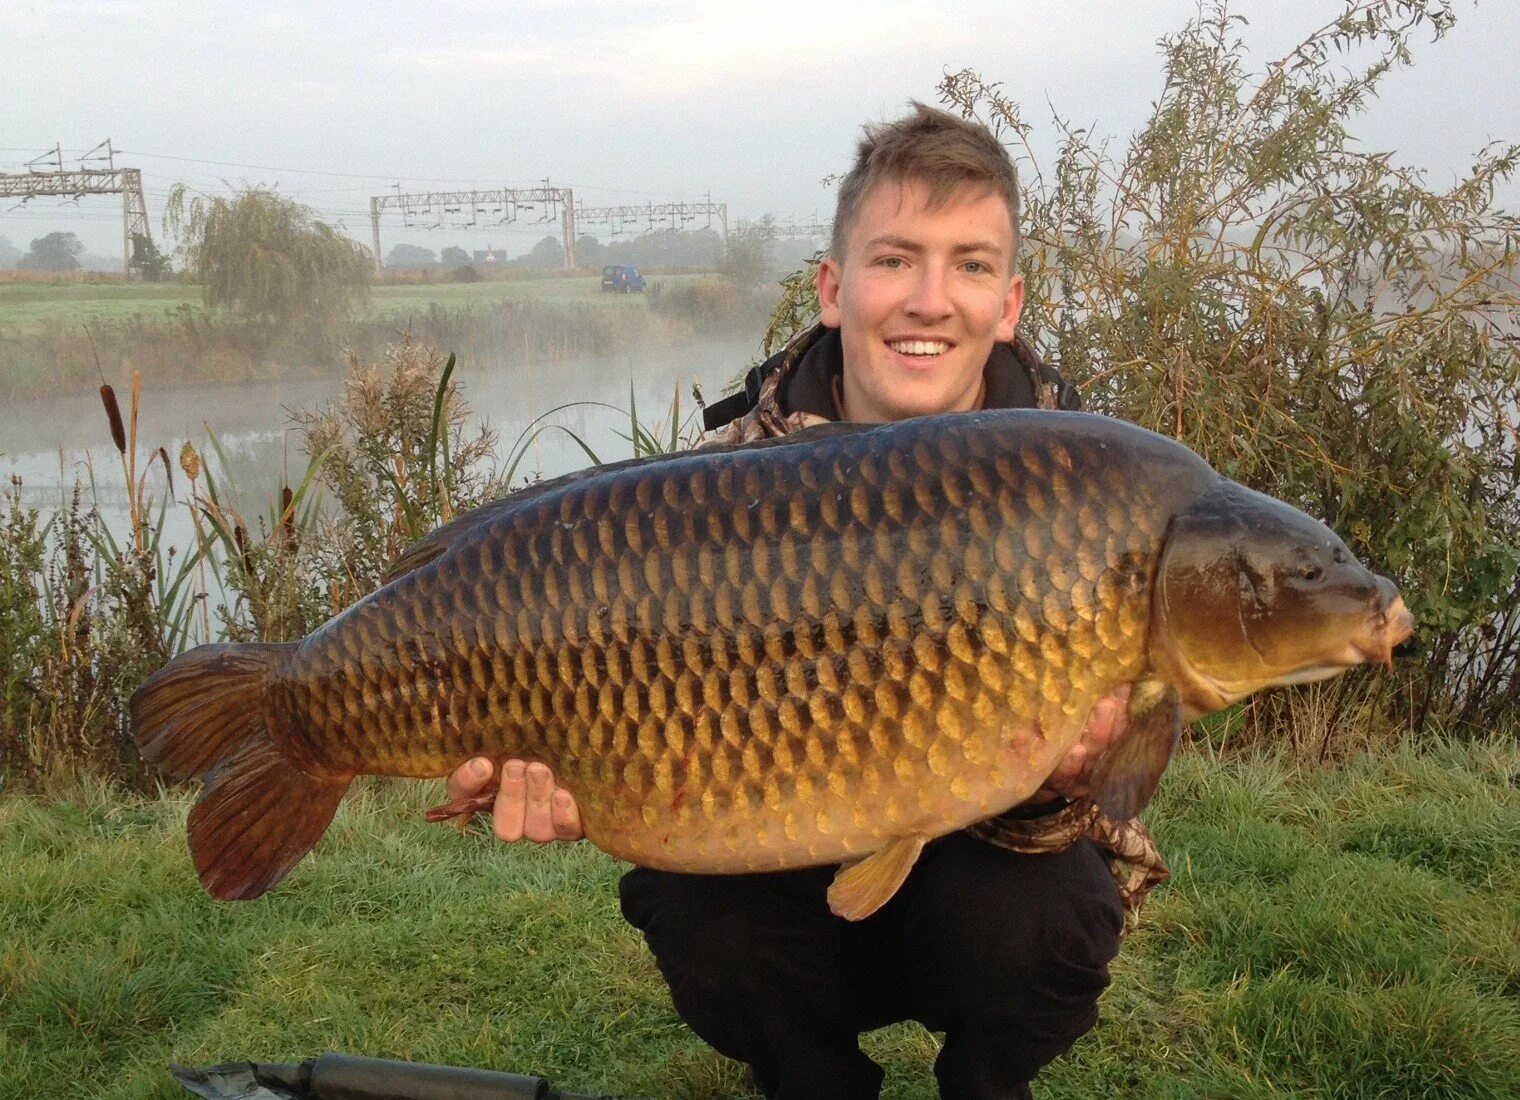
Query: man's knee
point(1014, 953)
point(704, 923)
point(1014, 935)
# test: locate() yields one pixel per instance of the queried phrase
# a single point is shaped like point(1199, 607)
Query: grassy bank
point(31, 305)
point(1347, 933)
point(53, 335)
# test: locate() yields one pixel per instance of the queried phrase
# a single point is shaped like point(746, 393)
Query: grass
point(27, 305)
point(63, 337)
point(1347, 933)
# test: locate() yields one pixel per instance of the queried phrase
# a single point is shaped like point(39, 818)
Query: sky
point(630, 102)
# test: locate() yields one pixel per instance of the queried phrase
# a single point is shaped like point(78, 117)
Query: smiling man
point(925, 295)
point(1002, 934)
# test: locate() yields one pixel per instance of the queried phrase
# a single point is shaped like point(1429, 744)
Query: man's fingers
point(537, 823)
point(1108, 720)
point(469, 778)
point(1069, 768)
point(511, 801)
point(567, 816)
point(1100, 727)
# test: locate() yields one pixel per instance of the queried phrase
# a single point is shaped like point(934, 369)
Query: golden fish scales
point(766, 658)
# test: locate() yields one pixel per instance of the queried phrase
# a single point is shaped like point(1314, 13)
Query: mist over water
point(52, 443)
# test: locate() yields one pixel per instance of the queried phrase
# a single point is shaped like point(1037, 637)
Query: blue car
point(622, 278)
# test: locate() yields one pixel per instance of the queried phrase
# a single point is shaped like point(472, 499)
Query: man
point(1002, 934)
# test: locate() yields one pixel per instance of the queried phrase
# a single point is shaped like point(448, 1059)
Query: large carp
point(830, 647)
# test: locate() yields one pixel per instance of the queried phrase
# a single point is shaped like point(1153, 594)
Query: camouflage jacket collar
point(795, 387)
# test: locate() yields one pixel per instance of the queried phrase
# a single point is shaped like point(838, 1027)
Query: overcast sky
point(626, 102)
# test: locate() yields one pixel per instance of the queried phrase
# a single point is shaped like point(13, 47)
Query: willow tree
point(267, 258)
point(1313, 317)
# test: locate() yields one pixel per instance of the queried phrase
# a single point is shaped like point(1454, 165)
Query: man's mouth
point(919, 349)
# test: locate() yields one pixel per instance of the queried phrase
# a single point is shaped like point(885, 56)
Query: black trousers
point(1005, 953)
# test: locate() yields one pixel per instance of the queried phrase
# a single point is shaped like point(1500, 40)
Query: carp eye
point(1311, 573)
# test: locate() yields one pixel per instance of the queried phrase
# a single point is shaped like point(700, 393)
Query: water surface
point(53, 443)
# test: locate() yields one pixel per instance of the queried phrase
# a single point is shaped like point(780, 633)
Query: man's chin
point(926, 397)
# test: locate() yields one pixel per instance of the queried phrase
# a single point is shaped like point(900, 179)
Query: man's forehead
point(901, 210)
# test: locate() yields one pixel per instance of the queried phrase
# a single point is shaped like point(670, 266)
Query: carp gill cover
point(830, 647)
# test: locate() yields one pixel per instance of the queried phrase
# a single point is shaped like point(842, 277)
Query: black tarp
point(349, 1077)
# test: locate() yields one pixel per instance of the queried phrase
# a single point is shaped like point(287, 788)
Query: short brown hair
point(936, 148)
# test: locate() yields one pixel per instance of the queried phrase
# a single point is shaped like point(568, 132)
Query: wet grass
point(1328, 933)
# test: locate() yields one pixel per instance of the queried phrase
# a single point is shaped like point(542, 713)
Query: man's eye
point(976, 267)
point(890, 261)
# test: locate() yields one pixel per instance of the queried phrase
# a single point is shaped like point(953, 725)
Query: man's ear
point(1013, 305)
point(826, 282)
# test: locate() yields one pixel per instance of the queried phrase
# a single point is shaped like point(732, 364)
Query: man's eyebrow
point(904, 244)
point(888, 240)
point(977, 246)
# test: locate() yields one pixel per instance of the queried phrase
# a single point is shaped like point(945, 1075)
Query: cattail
point(163, 455)
point(240, 536)
point(113, 414)
point(288, 518)
point(190, 461)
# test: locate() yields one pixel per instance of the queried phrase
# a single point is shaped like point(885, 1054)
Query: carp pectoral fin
point(861, 888)
point(1128, 775)
point(462, 811)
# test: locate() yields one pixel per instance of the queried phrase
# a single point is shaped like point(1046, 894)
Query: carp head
point(1252, 593)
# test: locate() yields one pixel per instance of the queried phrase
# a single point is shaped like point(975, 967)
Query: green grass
point(1353, 933)
point(30, 305)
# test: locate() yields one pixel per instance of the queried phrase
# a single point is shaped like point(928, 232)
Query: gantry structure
point(545, 203)
point(47, 176)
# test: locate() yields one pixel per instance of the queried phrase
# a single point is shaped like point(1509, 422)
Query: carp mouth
point(1373, 642)
point(1390, 628)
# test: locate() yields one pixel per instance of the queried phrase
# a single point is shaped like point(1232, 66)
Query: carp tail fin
point(202, 715)
point(257, 817)
point(202, 706)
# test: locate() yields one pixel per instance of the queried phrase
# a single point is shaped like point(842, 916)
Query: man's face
point(919, 298)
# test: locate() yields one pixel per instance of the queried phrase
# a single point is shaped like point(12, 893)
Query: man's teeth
point(919, 347)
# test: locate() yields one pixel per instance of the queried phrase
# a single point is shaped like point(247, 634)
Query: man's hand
point(1073, 775)
point(528, 805)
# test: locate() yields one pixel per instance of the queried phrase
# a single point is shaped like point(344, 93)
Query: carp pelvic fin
point(1128, 775)
point(861, 888)
point(202, 714)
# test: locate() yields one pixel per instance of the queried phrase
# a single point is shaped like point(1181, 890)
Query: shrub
point(267, 258)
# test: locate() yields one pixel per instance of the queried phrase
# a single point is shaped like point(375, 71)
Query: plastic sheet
point(350, 1077)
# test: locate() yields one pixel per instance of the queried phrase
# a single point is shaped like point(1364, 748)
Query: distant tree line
point(697, 248)
point(53, 252)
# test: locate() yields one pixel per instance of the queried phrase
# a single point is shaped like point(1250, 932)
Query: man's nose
point(930, 300)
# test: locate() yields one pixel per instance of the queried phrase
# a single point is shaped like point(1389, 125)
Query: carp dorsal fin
point(434, 544)
point(1127, 776)
point(861, 888)
point(415, 556)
